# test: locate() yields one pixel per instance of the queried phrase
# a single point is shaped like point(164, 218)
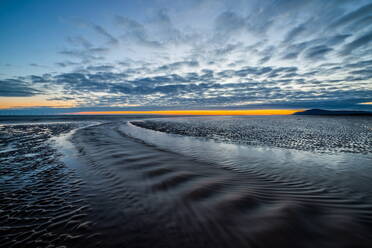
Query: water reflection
point(346, 171)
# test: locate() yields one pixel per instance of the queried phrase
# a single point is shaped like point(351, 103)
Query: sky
point(110, 55)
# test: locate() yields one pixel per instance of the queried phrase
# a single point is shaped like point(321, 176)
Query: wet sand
point(40, 201)
point(320, 134)
point(164, 199)
point(122, 192)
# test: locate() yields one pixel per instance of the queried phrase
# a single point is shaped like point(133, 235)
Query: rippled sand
point(309, 133)
point(116, 190)
point(40, 202)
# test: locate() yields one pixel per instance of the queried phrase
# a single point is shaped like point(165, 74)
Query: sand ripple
point(125, 192)
point(40, 202)
point(162, 199)
point(309, 133)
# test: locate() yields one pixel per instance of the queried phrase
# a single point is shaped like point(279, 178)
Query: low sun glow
point(32, 102)
point(198, 112)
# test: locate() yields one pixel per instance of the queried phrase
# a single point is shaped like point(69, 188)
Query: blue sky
point(116, 55)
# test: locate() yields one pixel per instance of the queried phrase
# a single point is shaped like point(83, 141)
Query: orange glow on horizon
point(31, 102)
point(197, 112)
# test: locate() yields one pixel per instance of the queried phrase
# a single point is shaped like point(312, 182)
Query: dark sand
point(121, 192)
point(320, 134)
point(40, 201)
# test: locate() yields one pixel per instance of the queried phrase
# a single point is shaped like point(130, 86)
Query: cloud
point(80, 41)
point(16, 88)
point(290, 55)
point(136, 32)
point(100, 30)
point(6, 64)
point(86, 55)
point(37, 65)
point(100, 68)
point(38, 79)
point(66, 63)
point(317, 52)
point(229, 22)
point(337, 39)
point(359, 64)
point(357, 14)
point(207, 87)
point(217, 53)
point(228, 49)
point(292, 51)
point(166, 30)
point(178, 65)
point(363, 23)
point(357, 43)
point(295, 32)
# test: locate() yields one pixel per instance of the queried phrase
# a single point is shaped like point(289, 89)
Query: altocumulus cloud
point(17, 88)
point(209, 53)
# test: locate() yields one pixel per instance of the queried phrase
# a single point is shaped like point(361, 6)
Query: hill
point(333, 112)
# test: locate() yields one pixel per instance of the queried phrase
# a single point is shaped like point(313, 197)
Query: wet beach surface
point(40, 205)
point(111, 188)
point(309, 133)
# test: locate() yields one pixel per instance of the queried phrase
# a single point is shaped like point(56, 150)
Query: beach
point(125, 183)
point(41, 203)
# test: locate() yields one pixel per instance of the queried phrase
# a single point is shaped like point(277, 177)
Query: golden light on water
point(197, 112)
point(366, 103)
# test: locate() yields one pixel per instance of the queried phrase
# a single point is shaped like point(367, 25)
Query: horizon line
point(195, 112)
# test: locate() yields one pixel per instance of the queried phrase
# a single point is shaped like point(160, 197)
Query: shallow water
point(115, 184)
point(343, 170)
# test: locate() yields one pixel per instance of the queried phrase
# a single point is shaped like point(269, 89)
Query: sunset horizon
point(186, 123)
point(83, 56)
point(197, 112)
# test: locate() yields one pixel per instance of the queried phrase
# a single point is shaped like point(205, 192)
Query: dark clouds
point(16, 88)
point(247, 84)
point(317, 52)
point(178, 65)
point(363, 40)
